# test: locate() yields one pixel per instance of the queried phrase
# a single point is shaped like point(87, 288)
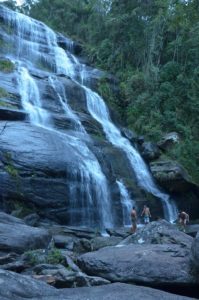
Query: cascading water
point(30, 99)
point(61, 96)
point(126, 202)
point(92, 201)
point(91, 176)
point(33, 45)
point(99, 111)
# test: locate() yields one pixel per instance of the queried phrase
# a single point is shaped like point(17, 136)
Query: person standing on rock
point(183, 219)
point(133, 220)
point(146, 213)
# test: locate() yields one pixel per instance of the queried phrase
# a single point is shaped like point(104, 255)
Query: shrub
point(54, 256)
point(6, 66)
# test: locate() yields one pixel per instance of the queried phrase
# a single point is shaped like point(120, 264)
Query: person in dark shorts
point(146, 213)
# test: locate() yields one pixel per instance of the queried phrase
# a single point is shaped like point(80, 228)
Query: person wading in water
point(133, 220)
point(146, 213)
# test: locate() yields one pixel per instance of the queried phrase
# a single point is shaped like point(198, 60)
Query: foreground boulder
point(18, 287)
point(153, 265)
point(64, 277)
point(195, 254)
point(159, 232)
point(17, 237)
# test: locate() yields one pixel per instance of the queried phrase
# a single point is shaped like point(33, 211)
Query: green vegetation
point(52, 256)
point(6, 66)
point(12, 170)
point(32, 257)
point(19, 208)
point(9, 165)
point(3, 94)
point(152, 47)
point(55, 257)
point(7, 104)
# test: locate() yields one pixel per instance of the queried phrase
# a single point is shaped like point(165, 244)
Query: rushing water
point(127, 203)
point(30, 99)
point(99, 111)
point(93, 199)
point(33, 45)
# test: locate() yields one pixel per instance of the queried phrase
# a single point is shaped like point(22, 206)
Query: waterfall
point(93, 200)
point(127, 203)
point(30, 99)
point(34, 46)
point(61, 96)
point(99, 111)
point(91, 176)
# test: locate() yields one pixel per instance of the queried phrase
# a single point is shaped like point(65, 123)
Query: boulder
point(66, 278)
point(122, 232)
point(103, 241)
point(159, 232)
point(8, 258)
point(129, 134)
point(72, 231)
point(64, 242)
point(195, 255)
point(32, 219)
point(82, 246)
point(17, 237)
point(171, 175)
point(9, 114)
point(149, 151)
point(192, 229)
point(154, 265)
point(68, 44)
point(169, 140)
point(19, 287)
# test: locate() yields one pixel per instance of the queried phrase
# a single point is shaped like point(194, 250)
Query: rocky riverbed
point(50, 261)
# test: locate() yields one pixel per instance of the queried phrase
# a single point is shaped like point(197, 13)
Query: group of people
point(183, 218)
point(145, 213)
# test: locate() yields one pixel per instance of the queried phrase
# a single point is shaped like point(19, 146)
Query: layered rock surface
point(22, 287)
point(158, 255)
point(16, 236)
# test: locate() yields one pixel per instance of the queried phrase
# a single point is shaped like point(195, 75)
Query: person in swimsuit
point(183, 218)
point(146, 213)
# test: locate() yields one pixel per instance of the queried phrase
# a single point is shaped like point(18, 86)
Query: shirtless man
point(146, 213)
point(133, 220)
point(183, 219)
